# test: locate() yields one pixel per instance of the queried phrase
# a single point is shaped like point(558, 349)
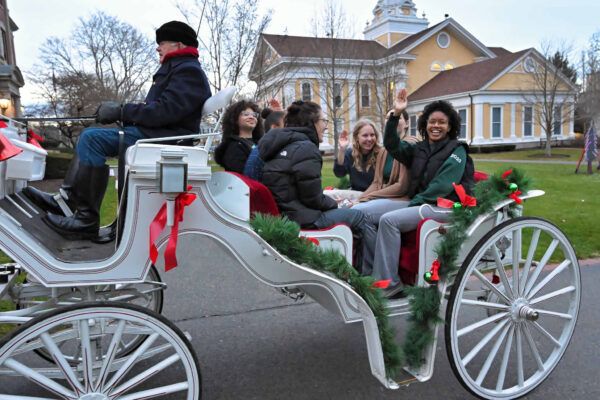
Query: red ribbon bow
point(506, 173)
point(465, 199)
point(515, 197)
point(34, 139)
point(33, 135)
point(158, 224)
point(381, 284)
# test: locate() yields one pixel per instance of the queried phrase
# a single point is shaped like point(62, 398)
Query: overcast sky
point(512, 24)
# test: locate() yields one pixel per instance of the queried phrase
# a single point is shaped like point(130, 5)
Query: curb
point(588, 262)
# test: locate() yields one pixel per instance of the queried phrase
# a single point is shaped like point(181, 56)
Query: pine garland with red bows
point(425, 301)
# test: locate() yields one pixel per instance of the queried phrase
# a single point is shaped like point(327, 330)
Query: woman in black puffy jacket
point(292, 172)
point(242, 129)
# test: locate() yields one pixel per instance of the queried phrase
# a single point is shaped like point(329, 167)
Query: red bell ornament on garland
point(432, 275)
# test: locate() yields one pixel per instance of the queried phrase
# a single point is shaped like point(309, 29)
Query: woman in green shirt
point(435, 164)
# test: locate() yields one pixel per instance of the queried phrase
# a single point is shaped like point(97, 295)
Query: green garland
point(283, 234)
point(424, 301)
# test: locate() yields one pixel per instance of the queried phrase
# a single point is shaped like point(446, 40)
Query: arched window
point(448, 66)
point(436, 66)
point(306, 91)
point(529, 64)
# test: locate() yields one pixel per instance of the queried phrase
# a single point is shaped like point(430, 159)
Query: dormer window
point(448, 66)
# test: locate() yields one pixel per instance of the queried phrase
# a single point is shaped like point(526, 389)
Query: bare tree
point(334, 67)
point(272, 73)
point(228, 31)
point(589, 101)
point(550, 93)
point(103, 59)
point(385, 73)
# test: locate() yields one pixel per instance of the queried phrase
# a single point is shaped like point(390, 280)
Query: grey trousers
point(374, 209)
point(391, 226)
point(361, 224)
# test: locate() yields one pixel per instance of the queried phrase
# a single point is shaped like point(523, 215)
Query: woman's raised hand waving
point(343, 140)
point(401, 102)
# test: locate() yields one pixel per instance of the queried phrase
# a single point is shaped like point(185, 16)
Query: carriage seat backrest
point(219, 100)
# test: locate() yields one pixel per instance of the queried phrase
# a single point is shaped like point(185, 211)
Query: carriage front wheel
point(513, 308)
point(164, 366)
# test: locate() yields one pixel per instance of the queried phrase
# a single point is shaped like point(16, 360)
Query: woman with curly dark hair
point(435, 164)
point(242, 129)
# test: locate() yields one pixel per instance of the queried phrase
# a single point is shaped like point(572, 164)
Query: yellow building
point(494, 90)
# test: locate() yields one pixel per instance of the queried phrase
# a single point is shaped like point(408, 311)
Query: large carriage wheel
point(506, 331)
point(164, 366)
point(148, 294)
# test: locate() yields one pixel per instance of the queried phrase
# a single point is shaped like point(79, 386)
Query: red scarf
point(186, 51)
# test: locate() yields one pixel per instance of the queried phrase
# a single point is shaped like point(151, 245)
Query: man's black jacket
point(174, 103)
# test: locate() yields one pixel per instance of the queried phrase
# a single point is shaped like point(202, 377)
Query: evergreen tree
point(561, 61)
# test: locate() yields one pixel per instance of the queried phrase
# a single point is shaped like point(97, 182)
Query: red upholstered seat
point(261, 199)
point(409, 255)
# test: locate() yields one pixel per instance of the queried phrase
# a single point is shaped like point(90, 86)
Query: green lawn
point(571, 201)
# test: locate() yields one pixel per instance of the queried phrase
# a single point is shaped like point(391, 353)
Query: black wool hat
point(176, 31)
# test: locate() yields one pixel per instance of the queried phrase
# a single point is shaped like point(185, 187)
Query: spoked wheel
point(148, 294)
point(164, 366)
point(504, 343)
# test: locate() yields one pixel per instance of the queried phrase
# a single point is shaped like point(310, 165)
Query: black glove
point(108, 112)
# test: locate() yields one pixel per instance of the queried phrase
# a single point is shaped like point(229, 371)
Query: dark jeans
point(95, 144)
point(363, 230)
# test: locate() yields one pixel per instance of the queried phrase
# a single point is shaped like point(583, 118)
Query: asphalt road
point(254, 343)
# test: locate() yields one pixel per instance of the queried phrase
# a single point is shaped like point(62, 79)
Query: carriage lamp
point(172, 178)
point(4, 104)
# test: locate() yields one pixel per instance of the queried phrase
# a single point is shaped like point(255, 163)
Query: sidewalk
point(528, 161)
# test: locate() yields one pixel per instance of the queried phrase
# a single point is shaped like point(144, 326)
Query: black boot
point(46, 201)
point(89, 188)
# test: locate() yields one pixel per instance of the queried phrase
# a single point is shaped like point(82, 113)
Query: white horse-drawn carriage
point(87, 315)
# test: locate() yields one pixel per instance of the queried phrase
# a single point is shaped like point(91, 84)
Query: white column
point(325, 145)
point(352, 102)
point(478, 129)
point(513, 121)
point(572, 122)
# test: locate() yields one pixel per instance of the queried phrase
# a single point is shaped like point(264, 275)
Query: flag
point(591, 144)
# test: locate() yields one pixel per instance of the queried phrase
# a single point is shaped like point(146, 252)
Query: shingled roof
point(302, 46)
point(466, 78)
point(499, 51)
point(407, 41)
